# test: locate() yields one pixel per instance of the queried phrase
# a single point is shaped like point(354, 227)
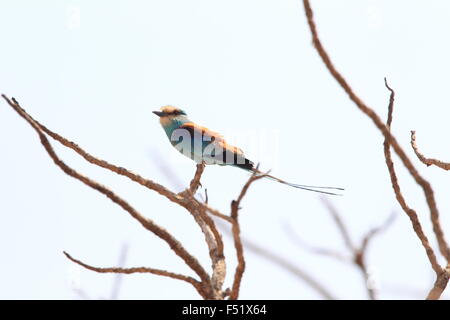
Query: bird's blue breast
point(184, 140)
point(171, 127)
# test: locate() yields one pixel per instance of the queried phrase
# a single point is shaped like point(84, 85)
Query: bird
point(205, 146)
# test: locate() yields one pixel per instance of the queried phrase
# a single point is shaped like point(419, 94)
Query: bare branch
point(212, 236)
point(195, 183)
point(440, 284)
point(147, 223)
point(197, 285)
point(399, 196)
point(218, 214)
point(240, 268)
point(428, 191)
point(425, 160)
point(441, 274)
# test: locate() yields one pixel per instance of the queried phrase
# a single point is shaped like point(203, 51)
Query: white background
point(94, 70)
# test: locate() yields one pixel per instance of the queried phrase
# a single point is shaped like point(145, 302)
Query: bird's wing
point(214, 138)
point(197, 130)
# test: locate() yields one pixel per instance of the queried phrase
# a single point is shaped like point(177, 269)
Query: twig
point(195, 183)
point(218, 214)
point(236, 230)
point(425, 160)
point(428, 191)
point(118, 270)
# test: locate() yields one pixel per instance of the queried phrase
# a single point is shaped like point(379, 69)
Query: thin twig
point(159, 272)
point(425, 160)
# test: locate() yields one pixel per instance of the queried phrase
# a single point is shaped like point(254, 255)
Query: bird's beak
point(159, 113)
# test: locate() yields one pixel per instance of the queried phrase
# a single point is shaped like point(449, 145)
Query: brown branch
point(399, 196)
point(218, 214)
point(147, 223)
point(212, 236)
point(428, 191)
point(236, 230)
point(195, 183)
point(442, 276)
point(425, 160)
point(199, 212)
point(119, 270)
point(391, 140)
point(440, 284)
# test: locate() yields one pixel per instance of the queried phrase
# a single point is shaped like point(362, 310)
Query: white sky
point(94, 70)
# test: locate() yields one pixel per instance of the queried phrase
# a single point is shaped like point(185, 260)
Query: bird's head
point(168, 114)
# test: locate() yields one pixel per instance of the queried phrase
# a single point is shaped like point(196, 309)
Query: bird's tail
point(300, 186)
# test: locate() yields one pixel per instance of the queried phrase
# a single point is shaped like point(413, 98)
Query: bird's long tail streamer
point(301, 186)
